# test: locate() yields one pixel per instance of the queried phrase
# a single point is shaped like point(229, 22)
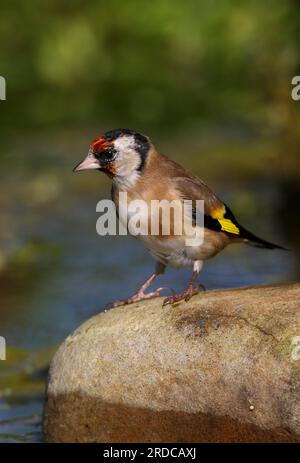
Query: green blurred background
point(208, 81)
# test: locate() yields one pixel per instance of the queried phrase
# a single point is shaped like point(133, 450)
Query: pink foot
point(185, 296)
point(139, 296)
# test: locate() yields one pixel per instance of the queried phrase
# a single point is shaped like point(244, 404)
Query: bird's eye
point(107, 155)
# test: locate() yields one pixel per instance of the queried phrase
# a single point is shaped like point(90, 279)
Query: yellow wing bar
point(229, 226)
point(226, 224)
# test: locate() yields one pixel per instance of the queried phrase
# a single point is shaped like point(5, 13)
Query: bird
point(138, 169)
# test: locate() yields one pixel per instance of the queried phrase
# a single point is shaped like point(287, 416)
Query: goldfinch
point(137, 168)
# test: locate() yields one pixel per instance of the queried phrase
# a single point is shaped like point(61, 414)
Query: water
point(57, 272)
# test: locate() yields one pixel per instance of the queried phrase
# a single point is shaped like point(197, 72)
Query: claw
point(111, 305)
point(166, 288)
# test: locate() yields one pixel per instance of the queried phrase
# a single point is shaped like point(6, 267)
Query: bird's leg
point(140, 294)
point(190, 290)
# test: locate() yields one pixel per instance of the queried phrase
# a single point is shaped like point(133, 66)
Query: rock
point(224, 367)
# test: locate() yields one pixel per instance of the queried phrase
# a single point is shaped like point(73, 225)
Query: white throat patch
point(126, 182)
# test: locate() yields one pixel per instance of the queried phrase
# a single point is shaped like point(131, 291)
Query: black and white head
point(121, 154)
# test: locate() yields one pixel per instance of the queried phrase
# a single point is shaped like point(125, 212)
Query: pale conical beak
point(90, 162)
